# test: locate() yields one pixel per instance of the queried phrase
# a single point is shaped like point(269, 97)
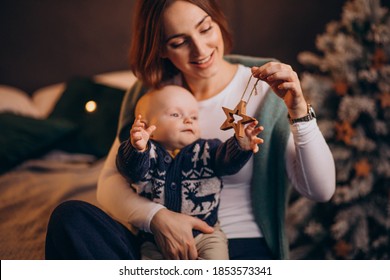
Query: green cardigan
point(269, 182)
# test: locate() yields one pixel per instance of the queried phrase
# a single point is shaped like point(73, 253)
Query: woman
point(184, 43)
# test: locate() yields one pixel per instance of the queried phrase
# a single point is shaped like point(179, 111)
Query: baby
point(170, 164)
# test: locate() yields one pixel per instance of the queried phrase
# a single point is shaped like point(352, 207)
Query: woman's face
point(193, 41)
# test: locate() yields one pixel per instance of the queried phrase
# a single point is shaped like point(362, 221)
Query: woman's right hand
point(173, 234)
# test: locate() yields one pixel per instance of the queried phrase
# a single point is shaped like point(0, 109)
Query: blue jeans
point(78, 230)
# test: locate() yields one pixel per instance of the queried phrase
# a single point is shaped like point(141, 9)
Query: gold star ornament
point(379, 60)
point(341, 88)
point(362, 168)
point(384, 99)
point(342, 249)
point(345, 132)
point(231, 122)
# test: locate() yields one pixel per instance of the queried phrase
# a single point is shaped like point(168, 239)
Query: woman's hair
point(148, 38)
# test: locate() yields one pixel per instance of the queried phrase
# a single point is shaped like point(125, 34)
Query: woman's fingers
point(284, 81)
point(173, 234)
point(270, 68)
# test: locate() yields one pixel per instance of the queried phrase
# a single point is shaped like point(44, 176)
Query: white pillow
point(119, 79)
point(14, 100)
point(43, 100)
point(46, 98)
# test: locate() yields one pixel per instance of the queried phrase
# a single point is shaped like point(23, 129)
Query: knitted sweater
point(269, 182)
point(189, 183)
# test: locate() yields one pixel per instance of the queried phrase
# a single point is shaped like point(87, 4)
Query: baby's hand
point(250, 141)
point(139, 135)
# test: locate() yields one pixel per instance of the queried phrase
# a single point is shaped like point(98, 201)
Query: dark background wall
point(48, 41)
point(279, 28)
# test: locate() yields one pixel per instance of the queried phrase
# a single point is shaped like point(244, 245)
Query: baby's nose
point(187, 120)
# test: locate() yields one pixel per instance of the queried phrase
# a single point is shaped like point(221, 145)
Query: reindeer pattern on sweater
point(191, 182)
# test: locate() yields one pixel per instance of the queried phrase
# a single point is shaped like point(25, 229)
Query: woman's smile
point(204, 62)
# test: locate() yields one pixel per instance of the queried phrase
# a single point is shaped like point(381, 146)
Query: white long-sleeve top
point(309, 164)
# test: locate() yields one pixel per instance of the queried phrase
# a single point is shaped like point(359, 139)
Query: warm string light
point(90, 106)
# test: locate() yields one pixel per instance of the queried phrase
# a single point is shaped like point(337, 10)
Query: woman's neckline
point(225, 89)
point(205, 96)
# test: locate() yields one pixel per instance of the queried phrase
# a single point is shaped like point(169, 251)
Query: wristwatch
point(310, 115)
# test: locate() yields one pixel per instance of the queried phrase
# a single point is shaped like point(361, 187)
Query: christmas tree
point(348, 83)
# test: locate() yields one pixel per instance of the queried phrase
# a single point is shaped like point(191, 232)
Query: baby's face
point(175, 114)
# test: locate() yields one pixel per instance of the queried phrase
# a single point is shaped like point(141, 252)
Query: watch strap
point(310, 115)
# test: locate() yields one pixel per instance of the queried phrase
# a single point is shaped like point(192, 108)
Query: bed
point(51, 153)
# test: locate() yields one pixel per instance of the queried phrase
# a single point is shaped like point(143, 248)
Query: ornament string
point(239, 110)
point(254, 89)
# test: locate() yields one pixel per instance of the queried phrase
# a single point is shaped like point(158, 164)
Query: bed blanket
point(30, 192)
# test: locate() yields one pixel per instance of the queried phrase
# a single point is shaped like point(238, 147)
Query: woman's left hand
point(285, 83)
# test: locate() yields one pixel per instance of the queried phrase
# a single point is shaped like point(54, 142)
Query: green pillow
point(97, 129)
point(23, 138)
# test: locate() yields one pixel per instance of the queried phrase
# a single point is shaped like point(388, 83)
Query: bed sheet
point(30, 192)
